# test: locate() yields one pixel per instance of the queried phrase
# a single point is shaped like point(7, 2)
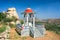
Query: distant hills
point(57, 21)
point(53, 21)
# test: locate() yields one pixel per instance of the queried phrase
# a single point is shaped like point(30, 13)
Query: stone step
point(37, 32)
point(25, 32)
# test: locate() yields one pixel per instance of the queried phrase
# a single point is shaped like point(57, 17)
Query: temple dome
point(28, 10)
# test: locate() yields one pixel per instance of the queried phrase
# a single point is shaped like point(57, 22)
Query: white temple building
point(29, 28)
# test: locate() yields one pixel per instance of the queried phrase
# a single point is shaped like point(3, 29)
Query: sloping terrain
point(49, 36)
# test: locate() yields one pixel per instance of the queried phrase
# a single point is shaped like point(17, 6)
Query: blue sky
point(44, 9)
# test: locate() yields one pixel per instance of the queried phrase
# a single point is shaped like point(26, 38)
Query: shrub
point(53, 27)
point(12, 25)
point(2, 29)
point(22, 22)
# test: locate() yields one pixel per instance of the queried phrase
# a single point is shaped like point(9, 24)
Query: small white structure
point(29, 28)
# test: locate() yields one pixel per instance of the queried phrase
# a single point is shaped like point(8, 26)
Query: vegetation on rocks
point(2, 16)
point(5, 20)
point(12, 25)
point(2, 29)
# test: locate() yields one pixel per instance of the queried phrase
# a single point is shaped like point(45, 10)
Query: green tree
point(2, 16)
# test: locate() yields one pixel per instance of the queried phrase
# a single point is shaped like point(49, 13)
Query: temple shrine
point(29, 28)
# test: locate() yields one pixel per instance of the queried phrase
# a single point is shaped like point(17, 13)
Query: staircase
point(37, 32)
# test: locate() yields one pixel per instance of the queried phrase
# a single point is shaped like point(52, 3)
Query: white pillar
point(27, 19)
point(34, 22)
point(24, 21)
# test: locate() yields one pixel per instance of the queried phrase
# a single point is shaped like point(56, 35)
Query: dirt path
point(49, 36)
